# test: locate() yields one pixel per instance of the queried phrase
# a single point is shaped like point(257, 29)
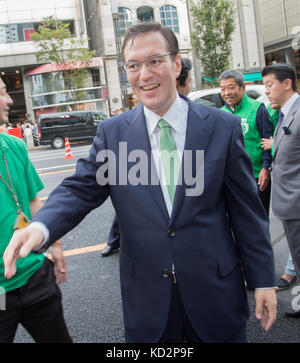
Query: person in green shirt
point(32, 297)
point(255, 126)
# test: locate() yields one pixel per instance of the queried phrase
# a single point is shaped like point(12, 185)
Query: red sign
point(15, 132)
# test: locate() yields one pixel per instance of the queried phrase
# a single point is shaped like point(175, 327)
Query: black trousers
point(114, 234)
point(179, 329)
point(265, 197)
point(38, 307)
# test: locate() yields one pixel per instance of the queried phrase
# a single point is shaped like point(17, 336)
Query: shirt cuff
point(265, 288)
point(41, 227)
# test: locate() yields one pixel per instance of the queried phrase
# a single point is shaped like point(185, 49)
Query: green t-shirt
point(26, 184)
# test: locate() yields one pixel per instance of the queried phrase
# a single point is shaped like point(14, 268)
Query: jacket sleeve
point(266, 130)
point(76, 196)
point(248, 220)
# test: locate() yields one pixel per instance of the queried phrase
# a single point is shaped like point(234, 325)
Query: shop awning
point(249, 77)
point(48, 68)
point(252, 77)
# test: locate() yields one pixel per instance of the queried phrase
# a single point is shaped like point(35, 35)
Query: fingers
point(59, 262)
point(12, 253)
point(21, 244)
point(266, 303)
point(61, 270)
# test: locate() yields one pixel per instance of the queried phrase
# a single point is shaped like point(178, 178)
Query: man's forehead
point(148, 42)
point(269, 77)
point(229, 81)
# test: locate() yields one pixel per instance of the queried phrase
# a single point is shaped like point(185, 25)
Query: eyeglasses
point(152, 62)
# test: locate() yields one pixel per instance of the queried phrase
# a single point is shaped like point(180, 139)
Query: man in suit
point(281, 88)
point(185, 252)
point(183, 84)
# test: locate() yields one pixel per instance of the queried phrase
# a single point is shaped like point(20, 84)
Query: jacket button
point(165, 273)
point(171, 233)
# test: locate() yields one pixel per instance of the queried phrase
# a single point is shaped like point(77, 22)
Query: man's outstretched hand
point(21, 244)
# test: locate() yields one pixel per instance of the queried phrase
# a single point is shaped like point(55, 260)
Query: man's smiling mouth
point(150, 87)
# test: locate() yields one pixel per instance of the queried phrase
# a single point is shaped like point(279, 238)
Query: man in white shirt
point(192, 231)
point(281, 88)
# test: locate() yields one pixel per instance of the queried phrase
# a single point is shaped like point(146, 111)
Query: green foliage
point(55, 44)
point(214, 26)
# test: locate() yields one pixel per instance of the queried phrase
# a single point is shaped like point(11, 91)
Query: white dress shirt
point(176, 117)
point(285, 109)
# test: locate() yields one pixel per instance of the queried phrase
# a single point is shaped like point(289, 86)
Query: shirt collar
point(289, 103)
point(176, 116)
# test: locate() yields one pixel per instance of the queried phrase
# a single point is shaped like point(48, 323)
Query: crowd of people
point(28, 131)
point(186, 260)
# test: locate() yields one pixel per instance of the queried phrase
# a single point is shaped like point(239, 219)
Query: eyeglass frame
point(146, 60)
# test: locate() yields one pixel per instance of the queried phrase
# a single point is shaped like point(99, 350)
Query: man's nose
point(145, 72)
point(9, 100)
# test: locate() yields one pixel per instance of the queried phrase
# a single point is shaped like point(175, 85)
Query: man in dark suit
point(183, 84)
point(281, 88)
point(187, 250)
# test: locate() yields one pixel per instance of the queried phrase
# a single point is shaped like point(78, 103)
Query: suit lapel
point(198, 133)
point(286, 123)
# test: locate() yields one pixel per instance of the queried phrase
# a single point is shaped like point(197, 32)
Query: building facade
point(107, 22)
point(37, 88)
point(280, 26)
point(247, 53)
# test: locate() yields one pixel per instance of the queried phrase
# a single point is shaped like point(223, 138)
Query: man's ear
point(178, 65)
point(288, 84)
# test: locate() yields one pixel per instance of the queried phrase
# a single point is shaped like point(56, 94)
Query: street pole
point(121, 69)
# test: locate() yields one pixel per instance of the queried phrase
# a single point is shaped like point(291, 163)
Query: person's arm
point(66, 206)
point(266, 129)
point(250, 229)
point(56, 250)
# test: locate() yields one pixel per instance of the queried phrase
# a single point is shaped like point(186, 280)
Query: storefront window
point(11, 33)
point(47, 82)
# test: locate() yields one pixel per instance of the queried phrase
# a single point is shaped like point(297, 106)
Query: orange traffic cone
point(68, 150)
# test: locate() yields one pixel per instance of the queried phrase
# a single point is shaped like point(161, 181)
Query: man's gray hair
point(236, 75)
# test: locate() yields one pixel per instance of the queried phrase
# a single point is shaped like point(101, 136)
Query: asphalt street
point(91, 296)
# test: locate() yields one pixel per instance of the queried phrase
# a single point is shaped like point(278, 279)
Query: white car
point(212, 96)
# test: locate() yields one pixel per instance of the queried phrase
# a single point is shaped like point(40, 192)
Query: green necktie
point(169, 157)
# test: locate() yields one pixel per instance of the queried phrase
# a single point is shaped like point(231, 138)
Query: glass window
point(10, 33)
point(145, 14)
point(125, 19)
point(169, 18)
point(98, 117)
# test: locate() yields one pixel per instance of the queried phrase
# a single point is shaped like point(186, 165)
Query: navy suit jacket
point(216, 240)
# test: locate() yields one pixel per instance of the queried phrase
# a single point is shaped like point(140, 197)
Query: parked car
point(75, 125)
point(212, 96)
